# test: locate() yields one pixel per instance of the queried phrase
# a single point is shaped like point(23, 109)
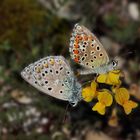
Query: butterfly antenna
point(123, 55)
point(65, 113)
point(127, 53)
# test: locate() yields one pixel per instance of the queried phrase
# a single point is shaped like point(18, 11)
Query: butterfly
point(86, 50)
point(53, 76)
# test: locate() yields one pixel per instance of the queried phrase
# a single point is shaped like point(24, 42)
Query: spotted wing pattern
point(50, 76)
point(86, 49)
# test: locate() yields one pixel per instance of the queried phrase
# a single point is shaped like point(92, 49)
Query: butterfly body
point(86, 50)
point(53, 76)
point(99, 70)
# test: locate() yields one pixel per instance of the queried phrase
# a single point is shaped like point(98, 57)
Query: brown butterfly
point(86, 50)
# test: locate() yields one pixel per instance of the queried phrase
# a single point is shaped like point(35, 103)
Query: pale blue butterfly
point(53, 76)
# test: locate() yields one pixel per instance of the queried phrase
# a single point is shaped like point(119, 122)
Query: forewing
point(86, 49)
point(48, 75)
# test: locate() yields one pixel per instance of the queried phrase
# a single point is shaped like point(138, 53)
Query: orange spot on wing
point(80, 38)
point(91, 38)
point(76, 59)
point(76, 46)
point(76, 51)
point(85, 37)
point(77, 38)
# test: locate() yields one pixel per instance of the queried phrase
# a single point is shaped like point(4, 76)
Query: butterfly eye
point(114, 63)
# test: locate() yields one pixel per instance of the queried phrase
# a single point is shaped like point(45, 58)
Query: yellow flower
point(105, 96)
point(111, 78)
point(104, 100)
point(88, 93)
point(122, 98)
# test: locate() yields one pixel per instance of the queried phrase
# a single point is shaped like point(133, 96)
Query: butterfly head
point(113, 65)
point(74, 91)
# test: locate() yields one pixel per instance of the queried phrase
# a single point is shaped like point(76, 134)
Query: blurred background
point(32, 29)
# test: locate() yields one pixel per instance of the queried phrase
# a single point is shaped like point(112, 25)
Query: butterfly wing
point(86, 49)
point(50, 75)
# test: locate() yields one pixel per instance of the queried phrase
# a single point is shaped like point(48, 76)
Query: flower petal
point(100, 108)
point(121, 95)
point(129, 105)
point(113, 77)
point(102, 78)
point(93, 85)
point(105, 97)
point(116, 71)
point(88, 94)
